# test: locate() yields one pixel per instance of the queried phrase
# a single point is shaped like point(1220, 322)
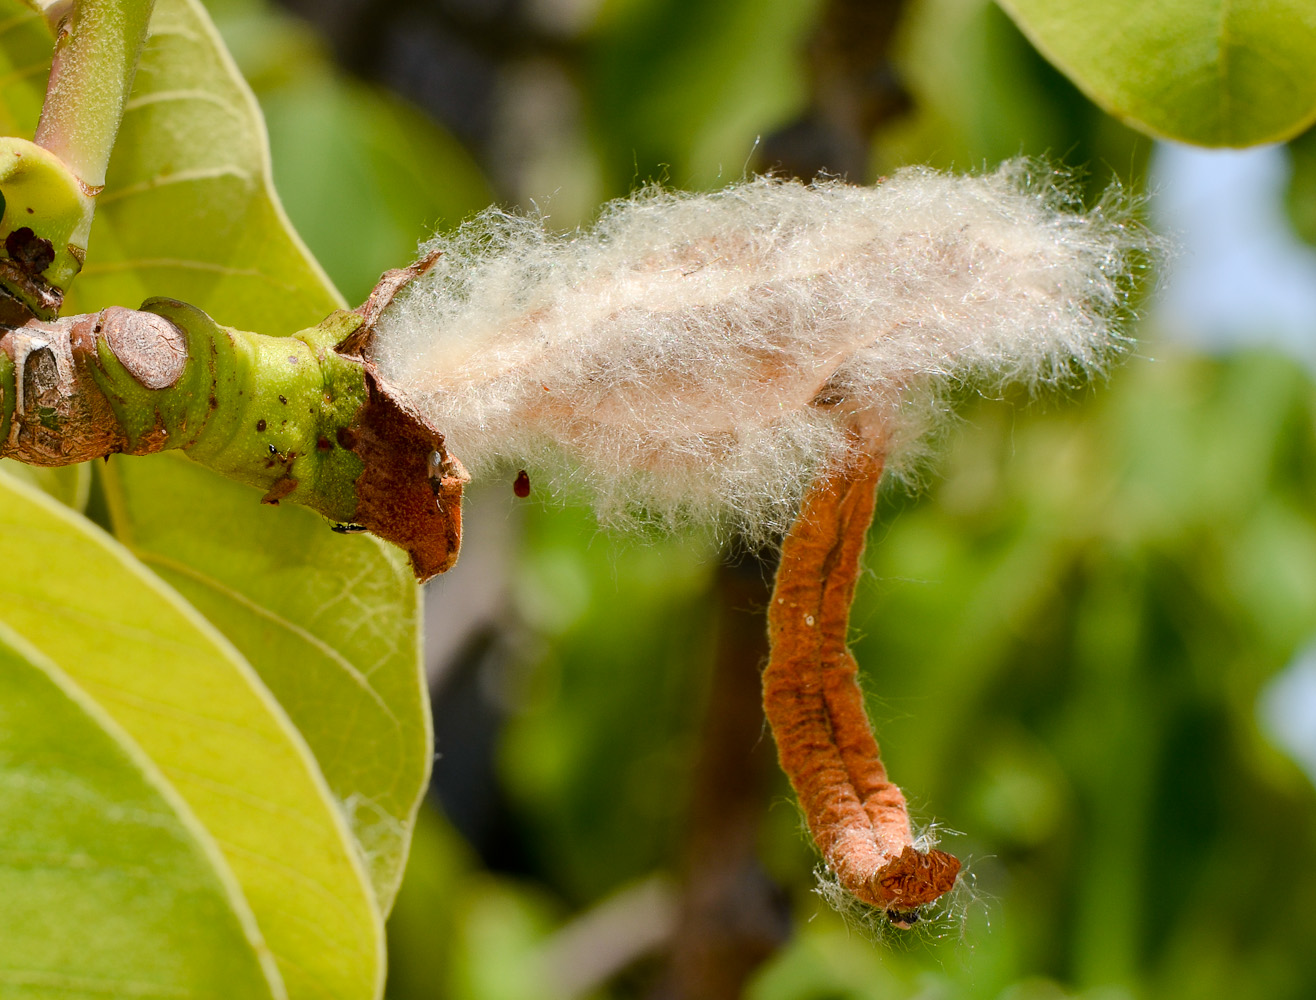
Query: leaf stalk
point(97, 46)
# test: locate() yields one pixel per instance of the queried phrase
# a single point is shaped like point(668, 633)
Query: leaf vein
point(79, 984)
point(179, 177)
point(241, 599)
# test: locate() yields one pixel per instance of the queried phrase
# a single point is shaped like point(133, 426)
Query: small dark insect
point(904, 919)
point(348, 529)
point(283, 399)
point(273, 450)
point(260, 424)
point(522, 485)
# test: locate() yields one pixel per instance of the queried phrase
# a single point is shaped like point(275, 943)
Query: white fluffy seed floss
point(703, 357)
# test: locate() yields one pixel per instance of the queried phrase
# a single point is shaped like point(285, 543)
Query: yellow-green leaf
point(197, 709)
point(189, 210)
point(69, 484)
point(110, 885)
point(1210, 72)
point(315, 615)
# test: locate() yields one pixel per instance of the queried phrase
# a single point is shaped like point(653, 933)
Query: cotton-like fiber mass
point(702, 357)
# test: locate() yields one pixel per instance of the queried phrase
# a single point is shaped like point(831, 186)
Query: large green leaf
point(201, 714)
point(1211, 72)
point(363, 175)
point(314, 615)
point(69, 484)
point(190, 210)
point(110, 885)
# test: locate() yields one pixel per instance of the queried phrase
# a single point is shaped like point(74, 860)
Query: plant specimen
point(749, 359)
point(753, 358)
point(692, 358)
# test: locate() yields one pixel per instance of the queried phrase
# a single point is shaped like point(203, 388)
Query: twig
point(732, 917)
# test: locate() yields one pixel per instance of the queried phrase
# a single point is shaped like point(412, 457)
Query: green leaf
point(200, 713)
point(69, 484)
point(1210, 72)
point(363, 175)
point(190, 211)
point(313, 613)
point(1300, 197)
point(192, 147)
point(189, 208)
point(110, 885)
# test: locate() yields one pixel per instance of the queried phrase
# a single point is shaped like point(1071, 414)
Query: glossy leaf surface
point(196, 708)
point(111, 887)
point(312, 611)
point(1210, 72)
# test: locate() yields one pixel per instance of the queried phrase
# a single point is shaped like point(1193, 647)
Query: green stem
point(49, 186)
point(302, 418)
point(97, 45)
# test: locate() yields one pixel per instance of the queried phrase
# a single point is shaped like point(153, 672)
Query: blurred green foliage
point(679, 89)
point(1064, 635)
point(363, 175)
point(1301, 200)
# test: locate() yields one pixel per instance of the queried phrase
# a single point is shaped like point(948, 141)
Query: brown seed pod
point(813, 703)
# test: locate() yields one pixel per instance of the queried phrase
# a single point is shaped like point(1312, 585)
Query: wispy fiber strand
point(704, 357)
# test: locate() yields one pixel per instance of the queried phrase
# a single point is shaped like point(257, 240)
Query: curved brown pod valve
point(811, 696)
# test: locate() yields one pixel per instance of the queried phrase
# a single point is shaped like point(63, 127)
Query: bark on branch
point(302, 417)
